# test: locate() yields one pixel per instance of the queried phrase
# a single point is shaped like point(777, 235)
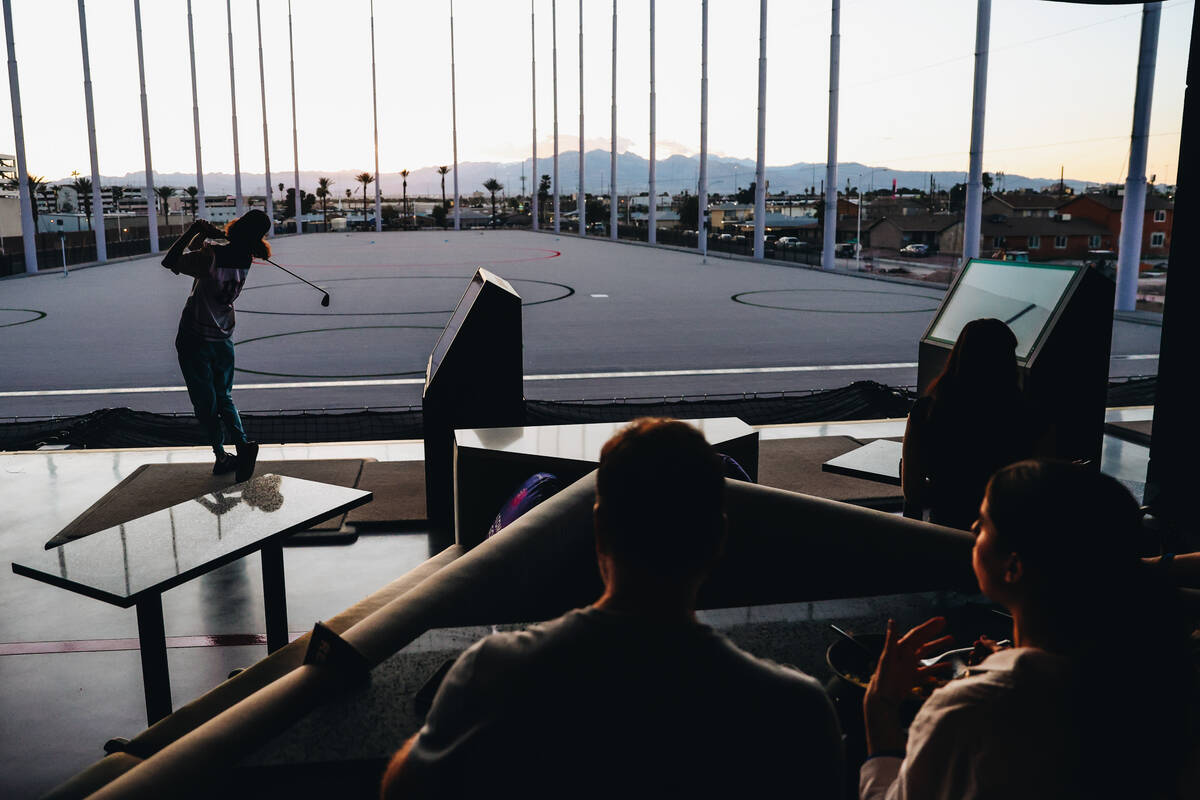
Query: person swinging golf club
point(204, 342)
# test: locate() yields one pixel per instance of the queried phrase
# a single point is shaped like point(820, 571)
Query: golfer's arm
point(173, 260)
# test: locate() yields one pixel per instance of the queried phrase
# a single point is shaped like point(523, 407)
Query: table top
point(877, 461)
point(580, 441)
point(151, 554)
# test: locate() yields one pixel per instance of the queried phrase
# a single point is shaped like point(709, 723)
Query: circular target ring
point(409, 373)
point(36, 316)
point(740, 297)
point(567, 291)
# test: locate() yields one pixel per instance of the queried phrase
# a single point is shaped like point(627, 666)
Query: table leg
point(152, 638)
point(274, 597)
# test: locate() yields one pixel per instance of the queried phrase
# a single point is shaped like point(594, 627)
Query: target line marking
point(562, 376)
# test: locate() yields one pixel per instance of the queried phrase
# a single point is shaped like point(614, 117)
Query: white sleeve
point(877, 775)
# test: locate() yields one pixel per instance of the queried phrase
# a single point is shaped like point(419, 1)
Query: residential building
point(1105, 209)
point(1022, 204)
point(892, 233)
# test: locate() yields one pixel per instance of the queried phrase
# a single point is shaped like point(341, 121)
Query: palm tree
point(165, 193)
point(442, 171)
point(191, 192)
point(83, 188)
point(366, 179)
point(36, 184)
point(493, 186)
point(323, 192)
point(404, 174)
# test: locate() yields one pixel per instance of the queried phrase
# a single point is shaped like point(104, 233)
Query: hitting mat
point(1136, 431)
point(795, 465)
point(153, 487)
point(399, 488)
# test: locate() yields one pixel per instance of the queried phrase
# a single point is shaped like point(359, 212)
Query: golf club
point(324, 300)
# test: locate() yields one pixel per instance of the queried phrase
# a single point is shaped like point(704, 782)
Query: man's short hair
point(661, 493)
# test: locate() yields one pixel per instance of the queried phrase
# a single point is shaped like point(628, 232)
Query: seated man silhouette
point(631, 695)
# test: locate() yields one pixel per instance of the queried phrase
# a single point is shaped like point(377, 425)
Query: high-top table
point(490, 463)
point(132, 564)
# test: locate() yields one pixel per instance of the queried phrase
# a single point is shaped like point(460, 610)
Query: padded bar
point(783, 547)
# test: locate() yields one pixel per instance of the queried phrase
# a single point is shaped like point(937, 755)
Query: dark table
point(132, 564)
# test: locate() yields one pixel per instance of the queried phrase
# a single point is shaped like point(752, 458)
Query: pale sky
point(1060, 87)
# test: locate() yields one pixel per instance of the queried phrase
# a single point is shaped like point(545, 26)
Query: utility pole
point(28, 233)
point(237, 164)
point(152, 219)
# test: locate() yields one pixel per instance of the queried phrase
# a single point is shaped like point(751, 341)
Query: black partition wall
point(1062, 318)
point(473, 380)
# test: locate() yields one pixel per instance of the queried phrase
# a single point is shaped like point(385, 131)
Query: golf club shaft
point(294, 275)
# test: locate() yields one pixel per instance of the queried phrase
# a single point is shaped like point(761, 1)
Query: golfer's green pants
point(208, 372)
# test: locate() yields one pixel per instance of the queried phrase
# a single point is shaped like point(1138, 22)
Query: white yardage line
point(562, 376)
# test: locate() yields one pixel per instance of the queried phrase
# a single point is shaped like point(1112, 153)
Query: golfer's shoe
point(225, 463)
point(247, 455)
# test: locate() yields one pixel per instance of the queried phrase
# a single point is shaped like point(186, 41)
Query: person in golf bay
point(203, 343)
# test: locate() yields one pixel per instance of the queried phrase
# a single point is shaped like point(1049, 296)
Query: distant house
point(1105, 210)
point(891, 207)
point(1045, 238)
point(892, 233)
point(1022, 204)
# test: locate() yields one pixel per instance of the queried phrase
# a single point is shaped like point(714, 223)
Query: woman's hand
point(985, 647)
point(899, 671)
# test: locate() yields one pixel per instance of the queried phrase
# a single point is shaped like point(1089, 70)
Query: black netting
point(123, 427)
point(861, 400)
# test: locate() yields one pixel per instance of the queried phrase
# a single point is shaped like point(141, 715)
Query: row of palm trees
point(83, 190)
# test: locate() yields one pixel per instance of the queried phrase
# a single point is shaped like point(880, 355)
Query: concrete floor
point(70, 675)
point(601, 320)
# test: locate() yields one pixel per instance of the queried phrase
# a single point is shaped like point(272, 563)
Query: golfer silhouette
point(203, 343)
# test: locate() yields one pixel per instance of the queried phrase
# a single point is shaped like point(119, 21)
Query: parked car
point(917, 250)
point(725, 237)
point(844, 250)
point(787, 241)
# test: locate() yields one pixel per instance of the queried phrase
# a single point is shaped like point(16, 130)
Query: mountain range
point(674, 174)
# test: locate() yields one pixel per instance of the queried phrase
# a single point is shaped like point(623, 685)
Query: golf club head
point(325, 300)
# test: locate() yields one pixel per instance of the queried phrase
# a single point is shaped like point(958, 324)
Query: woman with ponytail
point(203, 343)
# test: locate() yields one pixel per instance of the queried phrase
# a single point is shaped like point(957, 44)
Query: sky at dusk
point(1060, 88)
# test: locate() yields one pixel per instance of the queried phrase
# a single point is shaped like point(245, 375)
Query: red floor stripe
point(104, 645)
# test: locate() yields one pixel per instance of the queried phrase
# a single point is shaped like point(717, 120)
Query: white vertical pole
point(702, 188)
point(760, 169)
point(554, 72)
point(581, 204)
point(200, 210)
point(1129, 250)
point(262, 88)
point(237, 165)
point(375, 117)
point(97, 200)
point(829, 235)
point(454, 122)
point(28, 234)
point(295, 138)
point(652, 218)
point(533, 205)
point(612, 187)
point(972, 215)
point(152, 217)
